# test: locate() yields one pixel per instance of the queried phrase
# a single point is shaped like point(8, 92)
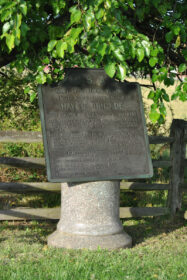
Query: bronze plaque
point(94, 128)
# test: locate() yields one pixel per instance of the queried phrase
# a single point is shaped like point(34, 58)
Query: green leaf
point(26, 90)
point(182, 67)
point(32, 96)
point(106, 31)
point(88, 19)
point(154, 78)
point(54, 53)
point(174, 96)
point(169, 36)
point(23, 8)
point(41, 78)
point(153, 61)
point(40, 68)
point(133, 51)
point(45, 60)
point(131, 4)
point(17, 35)
point(60, 48)
point(6, 27)
point(71, 43)
point(129, 36)
point(153, 107)
point(100, 13)
point(185, 87)
point(118, 55)
point(163, 70)
point(154, 116)
point(121, 72)
point(107, 4)
point(56, 7)
point(162, 109)
point(151, 95)
point(74, 32)
point(51, 45)
point(6, 15)
point(184, 52)
point(183, 96)
point(10, 41)
point(176, 29)
point(140, 54)
point(157, 95)
point(102, 49)
point(172, 81)
point(178, 41)
point(75, 14)
point(146, 46)
point(154, 52)
point(110, 69)
point(18, 20)
point(24, 29)
point(165, 97)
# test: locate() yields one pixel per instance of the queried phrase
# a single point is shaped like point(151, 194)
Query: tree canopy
point(132, 37)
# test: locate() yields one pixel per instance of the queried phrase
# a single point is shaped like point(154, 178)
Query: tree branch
point(179, 78)
point(148, 86)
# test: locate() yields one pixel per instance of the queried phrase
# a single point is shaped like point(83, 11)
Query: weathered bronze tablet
point(94, 128)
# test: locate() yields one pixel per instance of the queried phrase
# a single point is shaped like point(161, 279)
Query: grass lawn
point(159, 252)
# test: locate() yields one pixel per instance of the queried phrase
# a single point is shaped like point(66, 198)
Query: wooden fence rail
point(39, 163)
point(54, 213)
point(175, 187)
point(23, 187)
point(36, 137)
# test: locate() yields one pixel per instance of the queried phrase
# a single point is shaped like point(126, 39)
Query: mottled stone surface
point(112, 242)
point(90, 217)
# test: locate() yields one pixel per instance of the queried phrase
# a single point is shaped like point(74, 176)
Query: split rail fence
point(175, 187)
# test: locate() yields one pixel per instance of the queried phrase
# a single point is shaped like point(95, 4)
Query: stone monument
point(94, 135)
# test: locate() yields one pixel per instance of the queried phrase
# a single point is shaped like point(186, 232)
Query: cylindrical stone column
point(90, 217)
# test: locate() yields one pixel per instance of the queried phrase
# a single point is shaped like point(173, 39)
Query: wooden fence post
point(177, 154)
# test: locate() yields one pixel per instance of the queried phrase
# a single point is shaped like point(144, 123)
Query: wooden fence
point(175, 187)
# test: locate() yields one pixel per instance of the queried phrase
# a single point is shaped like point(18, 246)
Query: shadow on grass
point(27, 232)
point(139, 229)
point(2, 239)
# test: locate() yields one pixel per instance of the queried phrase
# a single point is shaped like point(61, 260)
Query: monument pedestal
point(90, 217)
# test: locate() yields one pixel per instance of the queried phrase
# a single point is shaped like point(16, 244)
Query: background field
point(159, 244)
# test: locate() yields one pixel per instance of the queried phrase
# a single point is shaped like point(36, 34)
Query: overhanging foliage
point(125, 37)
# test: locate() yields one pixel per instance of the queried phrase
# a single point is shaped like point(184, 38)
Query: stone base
point(90, 217)
point(60, 239)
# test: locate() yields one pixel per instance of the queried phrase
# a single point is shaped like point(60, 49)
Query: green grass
point(159, 252)
point(21, 150)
